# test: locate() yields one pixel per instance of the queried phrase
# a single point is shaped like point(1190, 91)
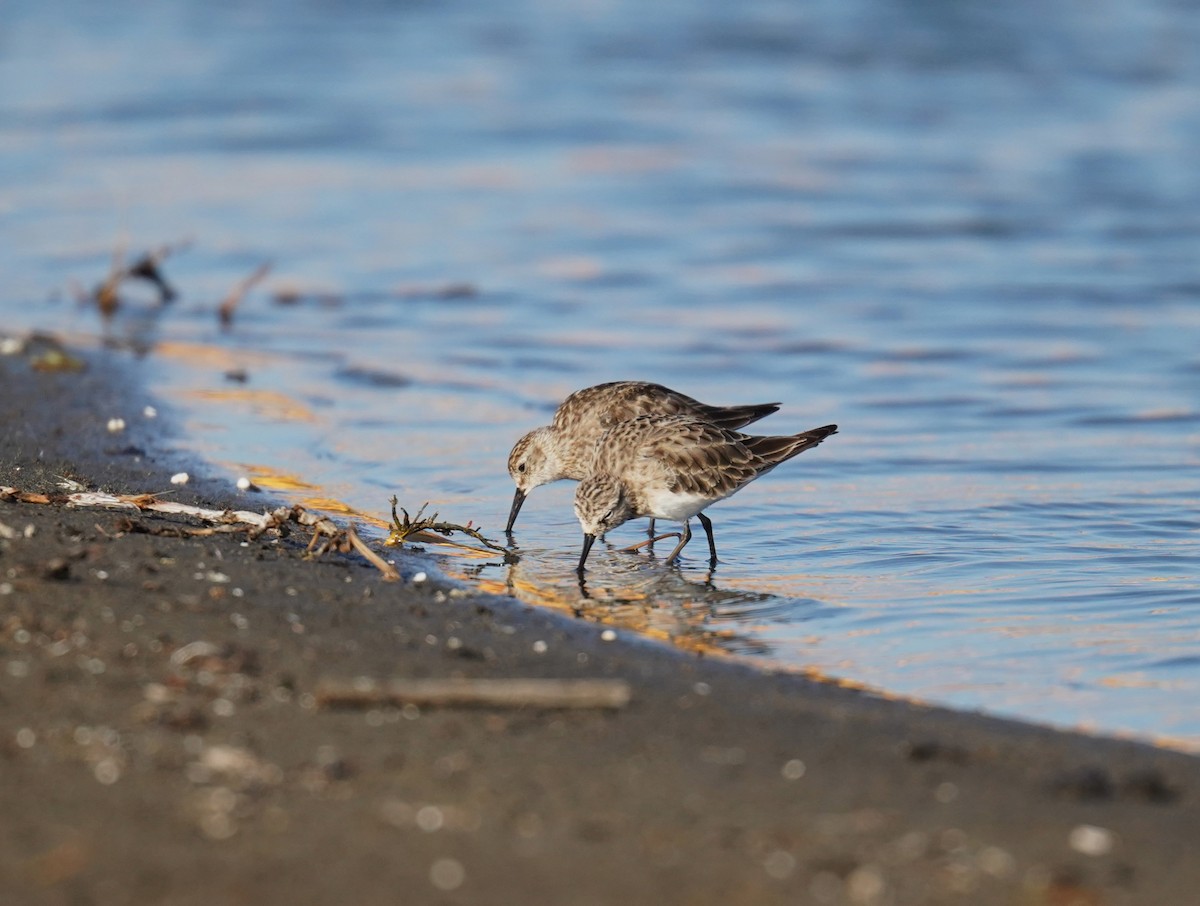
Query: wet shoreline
point(139, 769)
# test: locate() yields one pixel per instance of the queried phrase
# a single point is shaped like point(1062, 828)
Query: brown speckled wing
point(696, 456)
point(737, 416)
point(639, 398)
point(604, 405)
point(600, 407)
point(774, 450)
point(631, 399)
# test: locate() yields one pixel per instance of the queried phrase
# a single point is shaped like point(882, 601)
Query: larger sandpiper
point(564, 448)
point(674, 468)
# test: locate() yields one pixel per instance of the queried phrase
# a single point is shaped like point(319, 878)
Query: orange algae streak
point(209, 357)
point(266, 477)
point(266, 403)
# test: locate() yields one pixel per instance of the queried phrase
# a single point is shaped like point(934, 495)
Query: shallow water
point(968, 236)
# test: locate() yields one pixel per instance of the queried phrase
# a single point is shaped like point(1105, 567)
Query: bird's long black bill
point(518, 499)
point(588, 541)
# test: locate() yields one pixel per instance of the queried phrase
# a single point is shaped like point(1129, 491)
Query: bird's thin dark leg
point(650, 530)
point(712, 545)
point(683, 539)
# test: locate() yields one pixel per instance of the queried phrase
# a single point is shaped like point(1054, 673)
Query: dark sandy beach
point(161, 739)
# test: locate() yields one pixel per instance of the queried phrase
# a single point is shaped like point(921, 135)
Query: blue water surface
point(966, 233)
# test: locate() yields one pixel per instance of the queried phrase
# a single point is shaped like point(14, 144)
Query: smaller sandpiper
point(674, 468)
point(564, 448)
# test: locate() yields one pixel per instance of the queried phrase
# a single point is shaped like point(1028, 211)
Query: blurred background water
point(967, 233)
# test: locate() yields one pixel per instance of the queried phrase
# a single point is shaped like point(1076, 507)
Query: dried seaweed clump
point(402, 531)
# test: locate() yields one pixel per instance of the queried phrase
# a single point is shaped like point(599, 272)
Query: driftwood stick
point(478, 693)
point(230, 303)
point(390, 573)
point(326, 535)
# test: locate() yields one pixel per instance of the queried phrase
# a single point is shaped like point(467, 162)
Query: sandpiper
point(564, 448)
point(675, 467)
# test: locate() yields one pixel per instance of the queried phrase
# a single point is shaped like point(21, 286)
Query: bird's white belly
point(664, 504)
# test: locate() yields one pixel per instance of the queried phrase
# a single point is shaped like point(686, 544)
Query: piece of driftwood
point(345, 541)
point(252, 524)
point(147, 267)
point(230, 303)
point(151, 503)
point(389, 572)
point(475, 693)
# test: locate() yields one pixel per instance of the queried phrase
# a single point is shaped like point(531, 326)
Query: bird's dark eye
point(521, 467)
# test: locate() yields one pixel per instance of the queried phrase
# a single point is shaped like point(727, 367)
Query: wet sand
point(161, 741)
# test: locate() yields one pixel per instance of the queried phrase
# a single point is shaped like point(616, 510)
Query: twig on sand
point(410, 527)
point(231, 302)
point(479, 693)
point(345, 541)
point(147, 267)
point(389, 572)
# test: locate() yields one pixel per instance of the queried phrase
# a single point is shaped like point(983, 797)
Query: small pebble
point(608, 635)
point(245, 484)
point(157, 693)
point(793, 770)
point(946, 792)
point(996, 862)
point(150, 412)
point(223, 707)
point(107, 771)
point(539, 647)
point(866, 884)
point(447, 874)
point(1091, 840)
point(116, 425)
point(419, 577)
point(430, 818)
point(180, 478)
